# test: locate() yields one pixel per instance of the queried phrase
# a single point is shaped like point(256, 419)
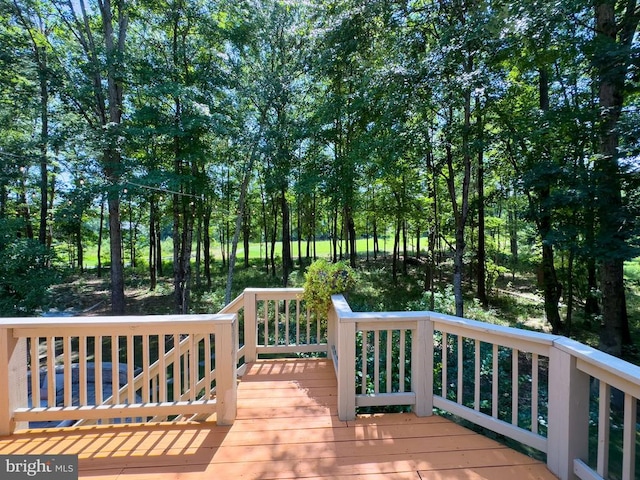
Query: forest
point(463, 142)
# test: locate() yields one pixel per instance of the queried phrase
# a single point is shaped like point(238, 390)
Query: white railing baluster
point(276, 322)
point(115, 369)
point(286, 325)
point(35, 372)
point(515, 386)
point(67, 367)
point(193, 368)
point(177, 359)
point(495, 383)
point(476, 376)
point(389, 368)
point(266, 322)
point(162, 368)
point(82, 366)
point(604, 415)
point(297, 322)
point(365, 363)
point(401, 373)
point(445, 361)
point(146, 381)
point(208, 369)
point(97, 382)
point(131, 393)
point(460, 380)
point(51, 372)
point(629, 437)
point(376, 359)
point(534, 392)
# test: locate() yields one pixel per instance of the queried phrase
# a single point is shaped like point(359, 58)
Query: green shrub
point(323, 279)
point(25, 274)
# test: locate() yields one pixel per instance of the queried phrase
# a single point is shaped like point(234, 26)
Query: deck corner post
point(13, 380)
point(250, 326)
point(226, 363)
point(422, 368)
point(346, 369)
point(568, 433)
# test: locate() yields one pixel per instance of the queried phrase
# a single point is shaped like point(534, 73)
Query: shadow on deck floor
point(287, 427)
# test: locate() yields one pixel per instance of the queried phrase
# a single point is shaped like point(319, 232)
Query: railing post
point(568, 433)
point(226, 362)
point(332, 336)
point(338, 304)
point(13, 379)
point(422, 367)
point(250, 326)
point(346, 369)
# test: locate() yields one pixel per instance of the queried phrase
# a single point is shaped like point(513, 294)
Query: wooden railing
point(277, 322)
point(142, 368)
point(427, 360)
point(534, 388)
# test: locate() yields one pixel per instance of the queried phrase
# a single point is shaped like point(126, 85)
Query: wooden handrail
point(14, 332)
point(571, 367)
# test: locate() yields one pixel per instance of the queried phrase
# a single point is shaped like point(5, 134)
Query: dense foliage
point(323, 279)
point(480, 139)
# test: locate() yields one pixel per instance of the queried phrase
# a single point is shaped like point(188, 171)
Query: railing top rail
point(341, 305)
point(490, 328)
point(234, 305)
point(603, 362)
point(374, 317)
point(346, 315)
point(275, 293)
point(132, 323)
point(274, 290)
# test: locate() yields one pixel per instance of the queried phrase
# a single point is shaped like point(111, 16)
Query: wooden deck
point(287, 427)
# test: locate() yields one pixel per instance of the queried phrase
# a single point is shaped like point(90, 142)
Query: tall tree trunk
point(482, 253)
point(24, 209)
point(114, 48)
point(153, 271)
point(206, 240)
point(551, 286)
point(334, 235)
point(265, 226)
point(287, 260)
point(80, 249)
point(44, 145)
point(100, 235)
point(158, 228)
point(460, 211)
point(431, 239)
point(199, 247)
point(299, 229)
point(396, 251)
point(351, 234)
point(612, 63)
point(246, 234)
point(239, 216)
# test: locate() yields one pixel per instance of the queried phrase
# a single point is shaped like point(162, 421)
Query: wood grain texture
point(287, 427)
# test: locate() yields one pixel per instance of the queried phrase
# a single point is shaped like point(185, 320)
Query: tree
point(96, 64)
point(616, 25)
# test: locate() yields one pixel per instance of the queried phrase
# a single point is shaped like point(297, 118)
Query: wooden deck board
point(287, 427)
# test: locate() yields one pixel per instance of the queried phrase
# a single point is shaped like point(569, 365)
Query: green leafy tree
point(26, 272)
